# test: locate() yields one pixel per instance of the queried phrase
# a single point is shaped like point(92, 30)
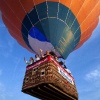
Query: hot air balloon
point(61, 26)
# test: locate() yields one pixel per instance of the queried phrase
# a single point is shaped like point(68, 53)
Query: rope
point(84, 21)
point(17, 18)
point(81, 23)
point(25, 12)
point(30, 21)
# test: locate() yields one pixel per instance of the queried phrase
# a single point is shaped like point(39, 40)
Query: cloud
point(11, 45)
point(91, 85)
point(7, 45)
point(2, 92)
point(93, 75)
point(2, 88)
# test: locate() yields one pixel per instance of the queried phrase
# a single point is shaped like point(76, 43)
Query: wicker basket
point(44, 80)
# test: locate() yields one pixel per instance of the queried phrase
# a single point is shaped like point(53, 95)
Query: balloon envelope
point(60, 26)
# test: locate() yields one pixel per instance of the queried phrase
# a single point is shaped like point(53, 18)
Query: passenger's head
point(52, 53)
point(36, 56)
point(31, 58)
point(56, 57)
point(47, 52)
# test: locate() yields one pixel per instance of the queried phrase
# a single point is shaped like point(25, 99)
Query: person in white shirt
point(37, 57)
point(31, 61)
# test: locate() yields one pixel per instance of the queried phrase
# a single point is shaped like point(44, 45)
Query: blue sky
point(84, 64)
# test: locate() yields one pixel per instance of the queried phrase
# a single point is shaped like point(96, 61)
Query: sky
point(84, 64)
